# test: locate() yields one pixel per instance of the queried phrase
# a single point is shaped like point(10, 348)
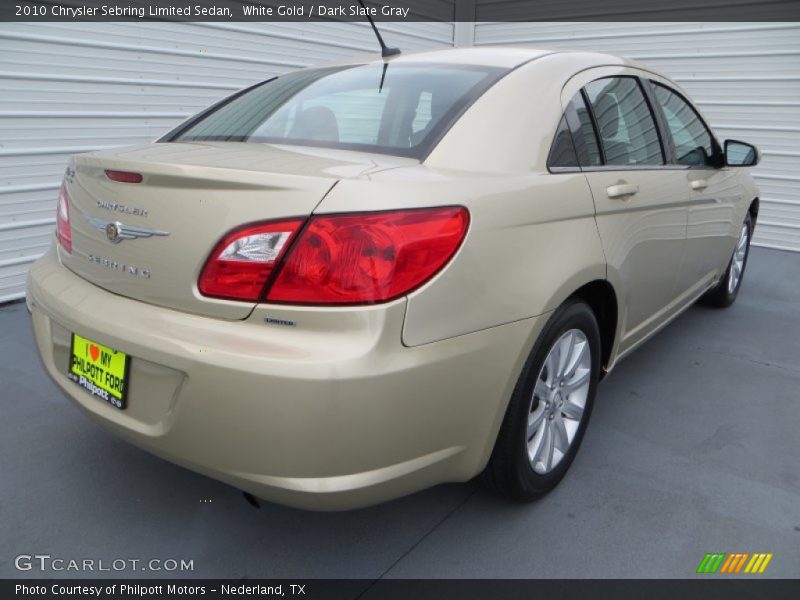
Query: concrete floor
point(694, 447)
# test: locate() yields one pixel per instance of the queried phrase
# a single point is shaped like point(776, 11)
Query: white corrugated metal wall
point(75, 87)
point(745, 77)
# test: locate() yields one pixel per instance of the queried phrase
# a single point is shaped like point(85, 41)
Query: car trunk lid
point(150, 240)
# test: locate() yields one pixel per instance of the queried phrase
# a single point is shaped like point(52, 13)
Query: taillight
point(124, 176)
point(369, 257)
point(242, 262)
point(63, 227)
point(360, 258)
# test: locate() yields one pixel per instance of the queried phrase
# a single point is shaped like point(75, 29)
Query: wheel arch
point(753, 210)
point(602, 299)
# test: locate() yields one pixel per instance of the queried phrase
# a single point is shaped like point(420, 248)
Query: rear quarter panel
point(532, 241)
point(533, 238)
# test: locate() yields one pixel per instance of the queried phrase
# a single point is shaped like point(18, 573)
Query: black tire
point(509, 470)
point(720, 296)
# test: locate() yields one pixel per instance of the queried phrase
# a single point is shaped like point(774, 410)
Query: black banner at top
point(399, 10)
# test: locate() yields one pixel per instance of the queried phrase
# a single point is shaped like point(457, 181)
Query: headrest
point(316, 123)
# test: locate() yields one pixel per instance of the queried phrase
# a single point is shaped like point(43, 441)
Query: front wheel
point(550, 407)
point(724, 293)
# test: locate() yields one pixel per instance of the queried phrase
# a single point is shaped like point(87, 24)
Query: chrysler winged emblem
point(117, 232)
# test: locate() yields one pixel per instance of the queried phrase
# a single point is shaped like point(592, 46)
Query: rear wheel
point(550, 407)
point(725, 292)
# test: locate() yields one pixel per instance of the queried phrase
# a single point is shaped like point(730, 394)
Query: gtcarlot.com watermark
point(45, 563)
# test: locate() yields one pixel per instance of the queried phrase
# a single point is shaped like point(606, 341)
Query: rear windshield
point(399, 109)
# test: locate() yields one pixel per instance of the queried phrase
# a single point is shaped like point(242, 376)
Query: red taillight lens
point(369, 257)
point(242, 262)
point(124, 176)
point(63, 227)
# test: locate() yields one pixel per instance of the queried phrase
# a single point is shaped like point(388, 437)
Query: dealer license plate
point(100, 370)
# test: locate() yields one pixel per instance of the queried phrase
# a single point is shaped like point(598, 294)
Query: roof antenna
point(385, 50)
point(383, 76)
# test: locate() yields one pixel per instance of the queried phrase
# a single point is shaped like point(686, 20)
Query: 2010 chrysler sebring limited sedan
point(345, 284)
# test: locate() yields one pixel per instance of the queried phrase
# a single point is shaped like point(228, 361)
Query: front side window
point(625, 124)
point(693, 141)
point(399, 109)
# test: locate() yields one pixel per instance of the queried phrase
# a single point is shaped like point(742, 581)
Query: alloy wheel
point(737, 262)
point(558, 400)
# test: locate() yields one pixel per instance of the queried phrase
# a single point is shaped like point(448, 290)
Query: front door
point(712, 193)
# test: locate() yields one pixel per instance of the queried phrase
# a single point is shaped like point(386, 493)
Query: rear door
point(639, 202)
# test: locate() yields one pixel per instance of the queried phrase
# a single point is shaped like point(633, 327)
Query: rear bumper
point(316, 416)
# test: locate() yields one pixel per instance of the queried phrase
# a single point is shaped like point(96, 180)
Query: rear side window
point(586, 138)
point(562, 152)
point(625, 124)
point(693, 141)
point(400, 109)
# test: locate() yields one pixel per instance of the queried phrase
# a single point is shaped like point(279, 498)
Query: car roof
point(507, 57)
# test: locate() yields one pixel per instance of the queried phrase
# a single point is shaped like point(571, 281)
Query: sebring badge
point(116, 231)
point(109, 263)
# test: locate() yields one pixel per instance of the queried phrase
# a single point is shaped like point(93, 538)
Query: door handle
point(699, 185)
point(621, 190)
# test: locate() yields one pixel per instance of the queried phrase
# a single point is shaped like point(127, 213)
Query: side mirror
point(741, 154)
